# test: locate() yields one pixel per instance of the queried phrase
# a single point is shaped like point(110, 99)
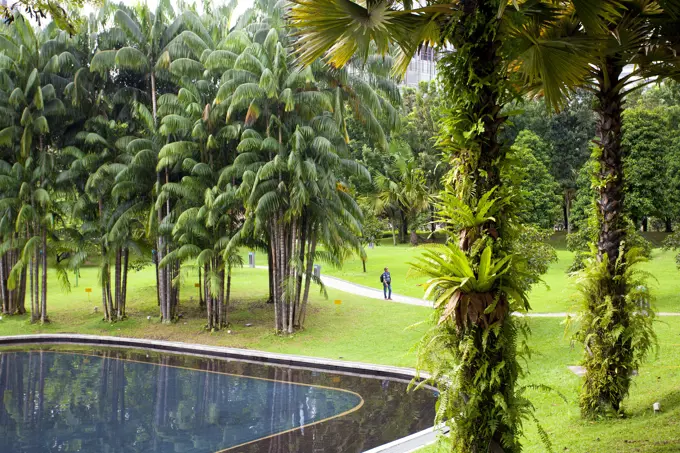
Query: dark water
point(124, 401)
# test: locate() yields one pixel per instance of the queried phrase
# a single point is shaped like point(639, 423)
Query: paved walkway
point(373, 293)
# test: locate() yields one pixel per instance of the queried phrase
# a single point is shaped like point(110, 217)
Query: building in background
point(422, 68)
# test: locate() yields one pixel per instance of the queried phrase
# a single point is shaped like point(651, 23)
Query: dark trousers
point(387, 289)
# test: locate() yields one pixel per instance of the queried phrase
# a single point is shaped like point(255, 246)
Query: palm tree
point(97, 161)
point(36, 67)
point(475, 363)
point(403, 191)
point(641, 34)
point(143, 43)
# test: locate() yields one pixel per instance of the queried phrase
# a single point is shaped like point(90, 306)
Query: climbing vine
point(473, 351)
point(615, 324)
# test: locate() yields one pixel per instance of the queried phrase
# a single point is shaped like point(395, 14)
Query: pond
point(75, 399)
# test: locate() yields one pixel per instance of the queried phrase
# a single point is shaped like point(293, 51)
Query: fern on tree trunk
point(616, 332)
point(471, 352)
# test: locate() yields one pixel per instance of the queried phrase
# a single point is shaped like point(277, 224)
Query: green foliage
point(564, 141)
point(539, 197)
point(651, 142)
point(617, 339)
point(63, 13)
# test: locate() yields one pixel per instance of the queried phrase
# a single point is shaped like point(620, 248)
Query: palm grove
point(173, 138)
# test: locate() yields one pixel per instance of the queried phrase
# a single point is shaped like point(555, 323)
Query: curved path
point(373, 293)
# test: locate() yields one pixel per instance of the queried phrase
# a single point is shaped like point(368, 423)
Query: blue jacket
point(386, 278)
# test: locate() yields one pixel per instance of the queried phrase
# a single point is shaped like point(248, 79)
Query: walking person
point(386, 280)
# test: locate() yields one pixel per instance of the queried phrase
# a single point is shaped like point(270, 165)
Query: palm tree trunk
point(283, 263)
point(433, 220)
point(479, 159)
point(109, 298)
point(270, 270)
point(308, 277)
point(403, 227)
point(201, 302)
point(611, 359)
point(292, 297)
point(123, 298)
point(301, 257)
point(208, 301)
point(21, 294)
point(221, 322)
point(158, 276)
point(567, 210)
point(274, 264)
point(36, 285)
point(43, 299)
point(394, 236)
point(153, 96)
point(4, 294)
point(228, 297)
point(117, 281)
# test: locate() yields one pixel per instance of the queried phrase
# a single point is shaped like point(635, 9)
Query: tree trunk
point(610, 196)
point(153, 96)
point(4, 294)
point(403, 227)
point(363, 264)
point(645, 224)
point(35, 297)
point(394, 236)
point(206, 290)
point(228, 297)
point(433, 220)
point(668, 223)
point(482, 353)
point(291, 271)
point(43, 299)
point(201, 301)
point(283, 274)
point(21, 302)
point(607, 374)
point(117, 281)
point(308, 278)
point(270, 270)
point(109, 298)
point(123, 299)
point(565, 209)
point(220, 321)
point(274, 266)
point(414, 238)
point(301, 257)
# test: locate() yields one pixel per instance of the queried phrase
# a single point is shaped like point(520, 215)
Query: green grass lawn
point(354, 330)
point(641, 431)
point(379, 332)
point(557, 294)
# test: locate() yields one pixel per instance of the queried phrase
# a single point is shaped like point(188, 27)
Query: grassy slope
point(343, 331)
point(641, 432)
point(557, 295)
point(375, 331)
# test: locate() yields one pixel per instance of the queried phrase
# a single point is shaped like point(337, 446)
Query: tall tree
point(35, 67)
point(473, 347)
point(617, 335)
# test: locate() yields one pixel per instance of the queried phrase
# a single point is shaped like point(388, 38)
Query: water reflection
point(54, 401)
